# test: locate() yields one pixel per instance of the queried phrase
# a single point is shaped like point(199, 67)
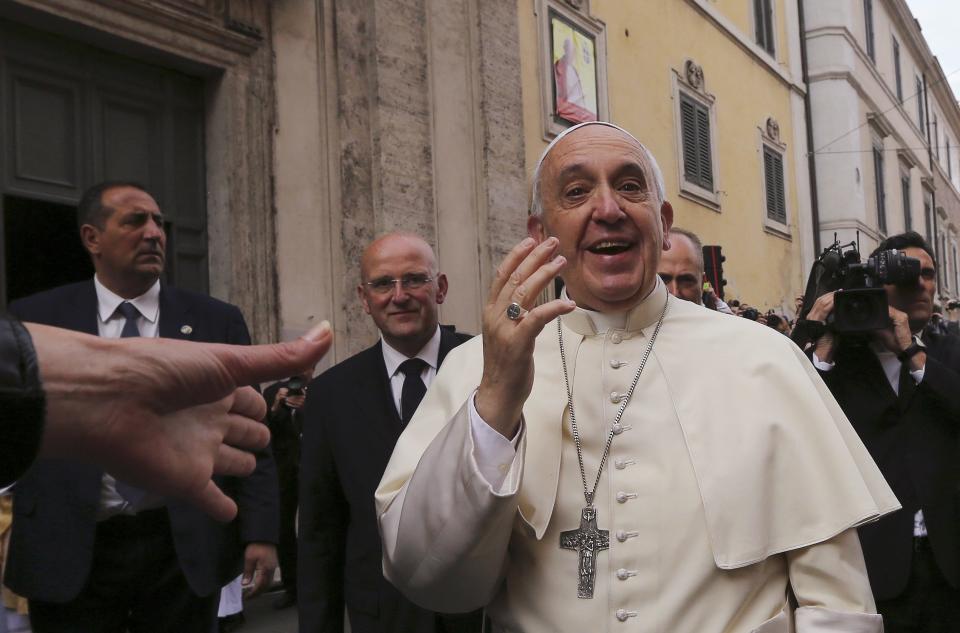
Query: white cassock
point(711, 517)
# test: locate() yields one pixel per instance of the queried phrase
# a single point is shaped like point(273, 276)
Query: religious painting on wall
point(573, 85)
point(574, 56)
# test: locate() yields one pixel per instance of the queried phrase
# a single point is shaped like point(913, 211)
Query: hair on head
point(909, 239)
point(91, 209)
point(536, 195)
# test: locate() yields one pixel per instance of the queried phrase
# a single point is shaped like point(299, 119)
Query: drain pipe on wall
point(811, 159)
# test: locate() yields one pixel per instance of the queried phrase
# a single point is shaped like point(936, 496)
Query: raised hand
point(898, 336)
point(161, 414)
point(507, 343)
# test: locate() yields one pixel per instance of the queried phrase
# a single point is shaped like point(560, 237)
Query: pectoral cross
point(587, 540)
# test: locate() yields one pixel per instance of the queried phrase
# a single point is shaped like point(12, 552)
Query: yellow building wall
point(646, 42)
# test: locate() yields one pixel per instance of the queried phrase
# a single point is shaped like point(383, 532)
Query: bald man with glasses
point(354, 415)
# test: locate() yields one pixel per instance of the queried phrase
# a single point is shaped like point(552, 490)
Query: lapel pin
point(186, 329)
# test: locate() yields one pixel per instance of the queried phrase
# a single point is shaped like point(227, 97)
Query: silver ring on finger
point(515, 311)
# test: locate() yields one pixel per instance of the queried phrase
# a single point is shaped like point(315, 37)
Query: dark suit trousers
point(287, 548)
point(928, 605)
point(135, 585)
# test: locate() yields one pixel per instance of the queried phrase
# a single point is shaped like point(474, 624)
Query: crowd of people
point(567, 469)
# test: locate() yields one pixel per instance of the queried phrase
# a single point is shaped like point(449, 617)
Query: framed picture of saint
point(573, 68)
point(574, 56)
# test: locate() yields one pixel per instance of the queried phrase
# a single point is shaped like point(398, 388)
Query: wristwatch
point(813, 329)
point(912, 350)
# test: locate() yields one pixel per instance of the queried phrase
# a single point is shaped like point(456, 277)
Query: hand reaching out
point(161, 414)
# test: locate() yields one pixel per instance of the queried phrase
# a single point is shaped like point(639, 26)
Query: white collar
point(429, 353)
point(646, 312)
point(148, 304)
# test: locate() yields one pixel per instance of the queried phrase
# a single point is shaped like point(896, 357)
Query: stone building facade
point(318, 124)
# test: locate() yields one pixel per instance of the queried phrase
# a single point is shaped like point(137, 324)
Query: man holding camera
point(901, 391)
point(286, 399)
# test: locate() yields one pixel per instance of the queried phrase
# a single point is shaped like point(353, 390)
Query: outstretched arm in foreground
point(162, 414)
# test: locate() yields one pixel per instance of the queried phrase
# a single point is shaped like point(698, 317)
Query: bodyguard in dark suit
point(354, 414)
point(94, 554)
point(902, 395)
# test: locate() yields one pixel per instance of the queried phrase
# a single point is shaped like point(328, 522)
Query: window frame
point(946, 140)
point(869, 33)
point(898, 75)
point(688, 189)
point(879, 184)
point(935, 123)
point(956, 263)
point(905, 192)
point(921, 117)
point(769, 146)
point(581, 20)
point(944, 266)
point(765, 26)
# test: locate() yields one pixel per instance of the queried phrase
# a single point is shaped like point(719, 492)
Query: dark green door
point(72, 115)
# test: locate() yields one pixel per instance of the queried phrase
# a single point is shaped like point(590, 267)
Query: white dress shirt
point(429, 354)
point(109, 325)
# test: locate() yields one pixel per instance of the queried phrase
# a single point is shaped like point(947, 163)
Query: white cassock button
point(616, 338)
point(623, 614)
point(617, 429)
point(623, 535)
point(503, 467)
point(619, 464)
point(623, 574)
point(617, 364)
point(614, 397)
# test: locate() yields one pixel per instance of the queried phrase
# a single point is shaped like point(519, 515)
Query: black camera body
point(295, 386)
point(860, 303)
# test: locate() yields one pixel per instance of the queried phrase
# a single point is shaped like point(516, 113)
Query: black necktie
point(906, 386)
point(413, 388)
point(131, 494)
point(131, 314)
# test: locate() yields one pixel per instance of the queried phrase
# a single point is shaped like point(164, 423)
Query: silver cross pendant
point(588, 540)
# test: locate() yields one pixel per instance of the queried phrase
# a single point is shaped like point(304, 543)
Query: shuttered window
point(695, 130)
point(896, 69)
point(763, 19)
point(774, 182)
point(880, 190)
point(905, 193)
point(920, 120)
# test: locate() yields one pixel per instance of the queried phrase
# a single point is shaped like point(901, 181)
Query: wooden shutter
point(774, 181)
point(905, 192)
point(695, 132)
point(881, 196)
point(703, 145)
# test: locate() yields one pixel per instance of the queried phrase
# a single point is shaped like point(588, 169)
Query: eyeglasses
point(412, 281)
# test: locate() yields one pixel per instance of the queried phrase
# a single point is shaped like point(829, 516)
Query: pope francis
point(573, 469)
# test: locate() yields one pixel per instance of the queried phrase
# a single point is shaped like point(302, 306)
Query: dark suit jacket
point(350, 428)
point(913, 438)
point(55, 503)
